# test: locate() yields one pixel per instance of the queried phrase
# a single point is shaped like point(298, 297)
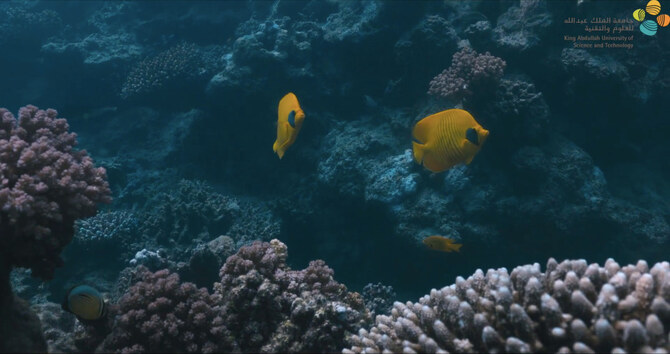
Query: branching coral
point(45, 185)
point(107, 229)
point(195, 213)
point(468, 72)
point(160, 314)
point(272, 308)
point(379, 298)
point(191, 211)
point(572, 306)
point(184, 62)
point(259, 305)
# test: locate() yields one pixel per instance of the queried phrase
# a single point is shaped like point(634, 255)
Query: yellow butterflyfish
point(448, 138)
point(441, 243)
point(289, 121)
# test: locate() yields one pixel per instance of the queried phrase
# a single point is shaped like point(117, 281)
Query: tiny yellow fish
point(445, 139)
point(289, 121)
point(441, 243)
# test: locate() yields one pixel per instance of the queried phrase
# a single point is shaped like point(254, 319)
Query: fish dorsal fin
point(471, 135)
point(291, 118)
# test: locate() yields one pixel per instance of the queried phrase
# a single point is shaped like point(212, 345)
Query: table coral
point(572, 306)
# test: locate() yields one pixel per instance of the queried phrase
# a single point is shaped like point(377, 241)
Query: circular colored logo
point(653, 7)
point(649, 27)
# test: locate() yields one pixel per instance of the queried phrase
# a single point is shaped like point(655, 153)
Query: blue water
point(163, 91)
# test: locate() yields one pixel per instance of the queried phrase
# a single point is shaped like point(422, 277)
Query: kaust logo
point(649, 27)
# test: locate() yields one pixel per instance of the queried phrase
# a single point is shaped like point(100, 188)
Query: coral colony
point(164, 224)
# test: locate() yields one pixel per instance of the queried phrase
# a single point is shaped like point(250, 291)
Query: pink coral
point(161, 314)
point(272, 308)
point(260, 305)
point(45, 185)
point(468, 72)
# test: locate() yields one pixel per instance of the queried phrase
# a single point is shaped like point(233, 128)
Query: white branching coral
point(571, 307)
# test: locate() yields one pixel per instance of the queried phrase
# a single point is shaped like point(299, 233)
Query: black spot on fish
point(291, 119)
point(471, 135)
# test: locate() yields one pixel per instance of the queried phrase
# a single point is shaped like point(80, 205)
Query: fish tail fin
point(457, 246)
point(278, 149)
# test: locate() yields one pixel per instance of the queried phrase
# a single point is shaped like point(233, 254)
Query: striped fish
point(85, 302)
point(289, 121)
point(448, 138)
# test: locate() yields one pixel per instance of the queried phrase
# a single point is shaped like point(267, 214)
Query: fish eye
point(291, 119)
point(472, 136)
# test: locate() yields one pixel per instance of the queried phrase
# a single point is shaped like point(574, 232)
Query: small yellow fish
point(289, 121)
point(441, 243)
point(445, 139)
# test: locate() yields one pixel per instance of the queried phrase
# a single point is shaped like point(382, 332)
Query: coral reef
point(577, 166)
point(392, 180)
point(579, 63)
point(259, 305)
point(25, 25)
point(572, 306)
point(353, 21)
point(108, 231)
point(46, 186)
point(20, 328)
point(271, 308)
point(479, 33)
point(104, 42)
point(434, 34)
point(207, 259)
point(193, 213)
point(57, 326)
point(349, 154)
point(161, 314)
point(177, 65)
point(521, 109)
point(152, 260)
point(379, 298)
point(468, 73)
point(522, 27)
